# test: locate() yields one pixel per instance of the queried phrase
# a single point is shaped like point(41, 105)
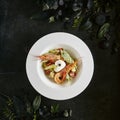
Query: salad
point(58, 65)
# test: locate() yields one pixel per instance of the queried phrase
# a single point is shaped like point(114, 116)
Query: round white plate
point(77, 48)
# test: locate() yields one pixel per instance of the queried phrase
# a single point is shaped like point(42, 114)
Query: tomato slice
point(47, 72)
point(72, 74)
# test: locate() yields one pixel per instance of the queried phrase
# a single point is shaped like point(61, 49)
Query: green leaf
point(66, 114)
point(50, 67)
point(68, 77)
point(50, 3)
point(103, 30)
point(70, 112)
point(90, 4)
point(9, 102)
point(87, 25)
point(45, 7)
point(4, 99)
point(36, 103)
point(54, 108)
point(51, 19)
point(9, 114)
point(66, 56)
point(77, 22)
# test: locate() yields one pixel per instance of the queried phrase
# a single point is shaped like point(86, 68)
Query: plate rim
point(65, 97)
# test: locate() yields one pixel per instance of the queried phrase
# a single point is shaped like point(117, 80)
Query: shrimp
point(60, 76)
point(49, 56)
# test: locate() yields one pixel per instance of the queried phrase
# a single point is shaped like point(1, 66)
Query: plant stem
point(34, 116)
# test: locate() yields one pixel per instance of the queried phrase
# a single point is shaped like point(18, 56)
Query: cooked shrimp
point(70, 66)
point(49, 56)
point(60, 76)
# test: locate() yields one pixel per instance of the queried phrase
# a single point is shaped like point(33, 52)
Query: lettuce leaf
point(66, 56)
point(68, 77)
point(50, 67)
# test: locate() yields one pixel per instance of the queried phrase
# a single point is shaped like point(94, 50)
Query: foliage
point(103, 30)
point(36, 103)
point(54, 108)
point(94, 16)
point(17, 109)
point(8, 113)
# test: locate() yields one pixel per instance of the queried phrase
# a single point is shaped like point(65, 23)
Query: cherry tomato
point(47, 72)
point(72, 74)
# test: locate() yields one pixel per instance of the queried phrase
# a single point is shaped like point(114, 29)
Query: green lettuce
point(66, 56)
point(53, 66)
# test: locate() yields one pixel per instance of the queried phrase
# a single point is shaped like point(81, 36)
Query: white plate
point(77, 48)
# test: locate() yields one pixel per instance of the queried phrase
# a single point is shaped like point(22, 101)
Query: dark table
point(18, 33)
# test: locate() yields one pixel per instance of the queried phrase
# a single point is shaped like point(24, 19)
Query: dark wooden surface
point(100, 101)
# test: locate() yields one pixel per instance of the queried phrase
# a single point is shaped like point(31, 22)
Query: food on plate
point(59, 65)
